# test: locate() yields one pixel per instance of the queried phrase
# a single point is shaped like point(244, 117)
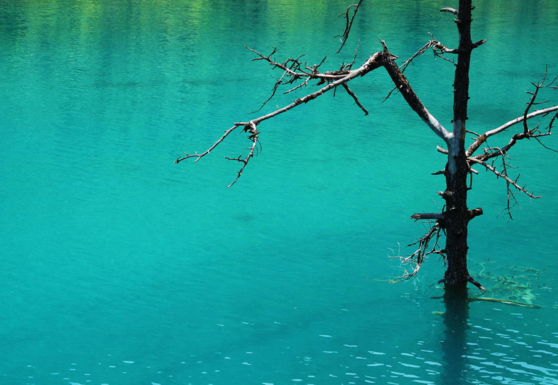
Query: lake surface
point(120, 267)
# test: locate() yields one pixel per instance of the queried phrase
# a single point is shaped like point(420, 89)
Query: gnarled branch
point(294, 71)
point(411, 97)
point(422, 252)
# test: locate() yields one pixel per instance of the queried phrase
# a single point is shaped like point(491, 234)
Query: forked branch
point(527, 115)
point(294, 70)
point(504, 176)
point(424, 249)
point(491, 153)
point(349, 19)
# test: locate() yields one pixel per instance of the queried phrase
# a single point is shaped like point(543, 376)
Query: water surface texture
point(119, 267)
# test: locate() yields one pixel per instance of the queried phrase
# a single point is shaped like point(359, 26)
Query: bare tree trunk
point(456, 216)
point(456, 220)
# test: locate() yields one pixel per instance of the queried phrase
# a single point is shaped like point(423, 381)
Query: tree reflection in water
point(454, 345)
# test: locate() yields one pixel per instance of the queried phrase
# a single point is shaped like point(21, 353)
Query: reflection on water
point(489, 350)
point(454, 345)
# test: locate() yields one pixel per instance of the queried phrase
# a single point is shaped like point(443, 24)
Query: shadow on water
point(454, 343)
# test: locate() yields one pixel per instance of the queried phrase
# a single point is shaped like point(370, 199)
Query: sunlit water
point(119, 267)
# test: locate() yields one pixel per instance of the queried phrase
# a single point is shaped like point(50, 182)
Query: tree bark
point(456, 215)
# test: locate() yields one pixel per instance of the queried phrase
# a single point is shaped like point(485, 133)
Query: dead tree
point(454, 220)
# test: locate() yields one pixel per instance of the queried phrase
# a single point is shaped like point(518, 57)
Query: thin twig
point(505, 177)
point(418, 257)
point(355, 98)
point(349, 23)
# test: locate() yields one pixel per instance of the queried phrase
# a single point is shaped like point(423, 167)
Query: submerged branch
point(505, 302)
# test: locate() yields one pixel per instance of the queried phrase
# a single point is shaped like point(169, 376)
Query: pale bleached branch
point(450, 10)
point(423, 250)
point(301, 85)
point(527, 115)
point(492, 152)
point(515, 121)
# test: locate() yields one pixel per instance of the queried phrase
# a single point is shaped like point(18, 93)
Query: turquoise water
point(120, 267)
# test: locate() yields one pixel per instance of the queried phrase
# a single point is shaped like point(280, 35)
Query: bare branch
point(349, 23)
point(530, 104)
point(287, 66)
point(208, 151)
point(419, 216)
point(479, 43)
point(339, 79)
point(450, 10)
point(438, 48)
point(442, 150)
point(301, 85)
point(252, 129)
point(527, 132)
point(354, 98)
point(293, 71)
point(354, 57)
point(273, 91)
point(480, 140)
point(375, 61)
point(510, 195)
point(422, 252)
point(411, 97)
point(544, 145)
point(422, 50)
point(491, 152)
point(504, 176)
point(470, 279)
